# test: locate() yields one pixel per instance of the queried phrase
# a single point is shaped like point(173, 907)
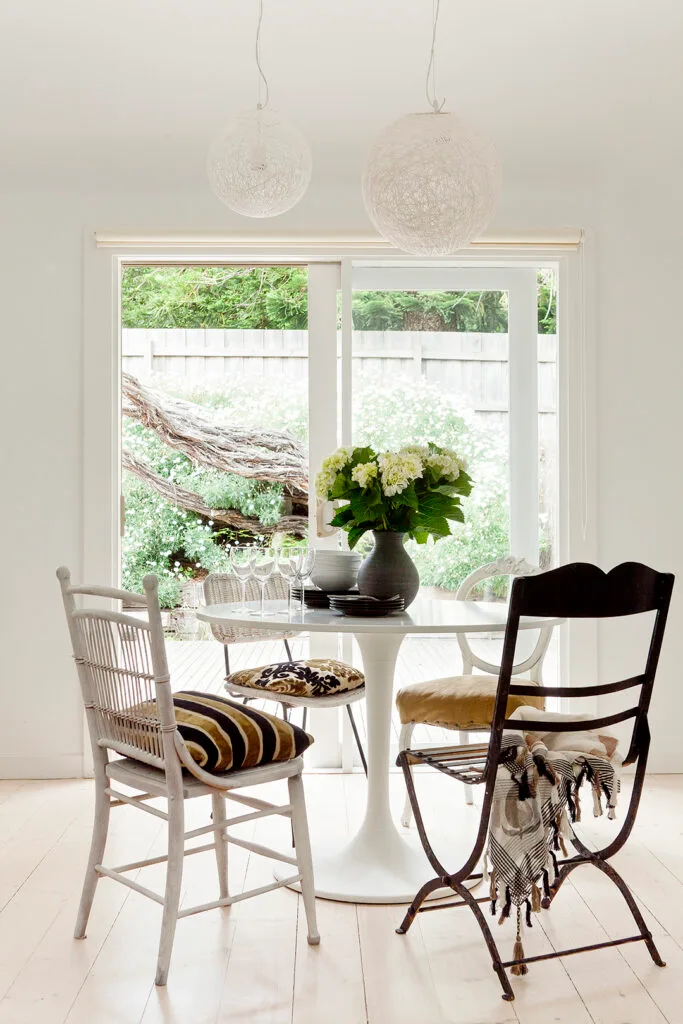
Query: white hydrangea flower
point(364, 473)
point(422, 451)
point(329, 469)
point(397, 470)
point(446, 464)
point(323, 482)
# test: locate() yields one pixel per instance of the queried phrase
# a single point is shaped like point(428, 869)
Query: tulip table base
point(378, 865)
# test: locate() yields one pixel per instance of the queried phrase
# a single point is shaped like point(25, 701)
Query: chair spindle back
point(123, 671)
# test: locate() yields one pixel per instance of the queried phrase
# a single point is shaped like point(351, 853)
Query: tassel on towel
point(518, 948)
point(507, 906)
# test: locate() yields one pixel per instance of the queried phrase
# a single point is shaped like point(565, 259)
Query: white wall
point(633, 227)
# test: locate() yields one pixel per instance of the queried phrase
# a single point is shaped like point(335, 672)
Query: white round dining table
point(378, 865)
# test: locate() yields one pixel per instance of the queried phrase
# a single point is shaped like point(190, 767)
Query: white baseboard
point(50, 766)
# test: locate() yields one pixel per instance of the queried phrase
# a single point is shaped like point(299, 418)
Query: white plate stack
point(336, 570)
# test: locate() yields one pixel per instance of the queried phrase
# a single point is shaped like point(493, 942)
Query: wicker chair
point(224, 588)
point(465, 702)
point(126, 690)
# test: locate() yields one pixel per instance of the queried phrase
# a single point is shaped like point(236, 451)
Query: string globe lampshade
point(259, 165)
point(431, 181)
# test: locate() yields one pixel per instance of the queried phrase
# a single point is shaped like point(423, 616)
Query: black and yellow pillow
point(223, 736)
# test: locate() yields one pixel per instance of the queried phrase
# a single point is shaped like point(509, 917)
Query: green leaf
point(342, 487)
point(361, 455)
point(437, 503)
point(407, 497)
point(457, 514)
point(342, 516)
point(355, 534)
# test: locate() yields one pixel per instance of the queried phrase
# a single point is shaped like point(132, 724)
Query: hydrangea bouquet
point(413, 491)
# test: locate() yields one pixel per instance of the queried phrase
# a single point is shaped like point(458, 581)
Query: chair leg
point(304, 719)
point(404, 744)
point(289, 653)
point(303, 854)
point(174, 877)
point(464, 738)
point(633, 907)
point(466, 895)
point(219, 816)
point(227, 660)
point(97, 845)
point(352, 720)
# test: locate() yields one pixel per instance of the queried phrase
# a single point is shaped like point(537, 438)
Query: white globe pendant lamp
point(431, 182)
point(259, 165)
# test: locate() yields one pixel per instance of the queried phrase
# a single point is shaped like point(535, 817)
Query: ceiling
point(136, 88)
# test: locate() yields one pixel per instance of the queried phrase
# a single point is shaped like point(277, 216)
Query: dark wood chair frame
point(579, 590)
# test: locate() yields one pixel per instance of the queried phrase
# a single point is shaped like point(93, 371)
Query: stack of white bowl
point(336, 570)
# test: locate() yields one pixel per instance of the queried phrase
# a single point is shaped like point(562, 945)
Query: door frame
point(571, 255)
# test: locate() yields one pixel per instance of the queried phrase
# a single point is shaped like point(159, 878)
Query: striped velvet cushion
point(223, 736)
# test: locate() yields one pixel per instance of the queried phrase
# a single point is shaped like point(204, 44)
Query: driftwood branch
point(269, 455)
point(192, 502)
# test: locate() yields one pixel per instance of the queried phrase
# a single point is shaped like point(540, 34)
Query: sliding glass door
point(287, 362)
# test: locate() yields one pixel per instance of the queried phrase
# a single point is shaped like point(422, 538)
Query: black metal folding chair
point(582, 591)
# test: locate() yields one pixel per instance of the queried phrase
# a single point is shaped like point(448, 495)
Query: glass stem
point(263, 597)
point(302, 600)
point(243, 584)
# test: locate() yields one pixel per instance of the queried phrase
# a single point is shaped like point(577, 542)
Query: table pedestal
point(378, 865)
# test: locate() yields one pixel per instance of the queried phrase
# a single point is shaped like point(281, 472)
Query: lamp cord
point(434, 103)
point(262, 78)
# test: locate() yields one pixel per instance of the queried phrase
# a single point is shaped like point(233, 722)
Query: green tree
point(276, 298)
point(232, 298)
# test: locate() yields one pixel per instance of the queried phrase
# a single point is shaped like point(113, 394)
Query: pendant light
point(431, 181)
point(260, 164)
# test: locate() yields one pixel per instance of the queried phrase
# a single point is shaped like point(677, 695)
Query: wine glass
point(242, 563)
point(263, 569)
point(304, 561)
point(286, 566)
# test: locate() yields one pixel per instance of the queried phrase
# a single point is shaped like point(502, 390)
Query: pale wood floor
point(252, 964)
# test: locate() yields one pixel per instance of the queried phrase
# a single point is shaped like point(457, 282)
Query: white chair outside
point(224, 588)
point(123, 672)
point(533, 663)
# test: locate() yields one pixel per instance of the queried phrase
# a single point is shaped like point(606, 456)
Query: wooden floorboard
point(253, 964)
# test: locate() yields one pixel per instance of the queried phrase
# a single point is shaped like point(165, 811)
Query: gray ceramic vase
point(389, 569)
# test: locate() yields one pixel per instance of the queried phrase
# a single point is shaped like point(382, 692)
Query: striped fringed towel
point(536, 793)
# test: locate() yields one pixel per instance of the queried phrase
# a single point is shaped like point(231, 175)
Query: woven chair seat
point(457, 702)
point(316, 677)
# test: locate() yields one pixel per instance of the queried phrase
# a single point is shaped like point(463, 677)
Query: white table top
point(425, 615)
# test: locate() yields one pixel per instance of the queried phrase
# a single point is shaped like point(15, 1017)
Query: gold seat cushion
point(317, 677)
point(457, 702)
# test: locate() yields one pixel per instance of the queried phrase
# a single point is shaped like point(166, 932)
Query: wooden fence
point(475, 365)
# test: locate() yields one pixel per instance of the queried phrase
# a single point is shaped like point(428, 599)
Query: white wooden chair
point(122, 668)
point(224, 588)
point(465, 702)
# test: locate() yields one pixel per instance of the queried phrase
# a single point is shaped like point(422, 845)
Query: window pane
point(209, 351)
point(433, 366)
